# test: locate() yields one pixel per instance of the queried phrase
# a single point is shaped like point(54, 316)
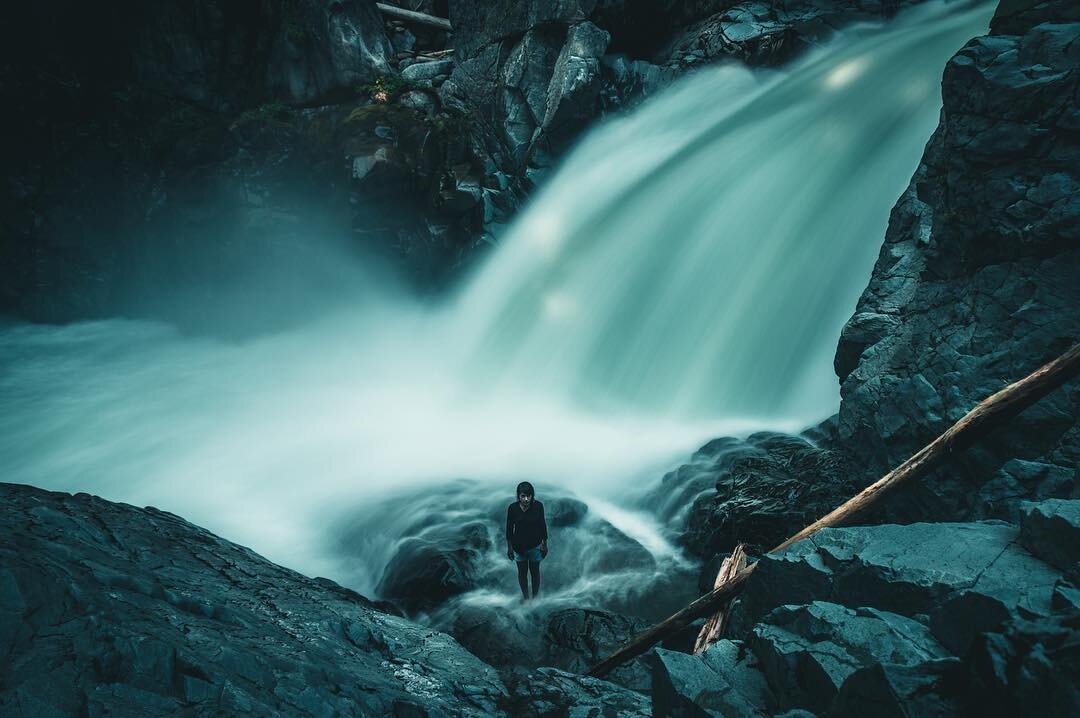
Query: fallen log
point(714, 627)
point(988, 414)
point(420, 18)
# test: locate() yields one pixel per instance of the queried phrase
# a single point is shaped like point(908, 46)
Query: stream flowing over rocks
point(184, 156)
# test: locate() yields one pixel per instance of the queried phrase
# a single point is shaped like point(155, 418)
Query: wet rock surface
point(113, 609)
point(724, 680)
point(976, 284)
point(570, 639)
point(807, 652)
point(558, 694)
point(756, 491)
point(967, 577)
point(1051, 530)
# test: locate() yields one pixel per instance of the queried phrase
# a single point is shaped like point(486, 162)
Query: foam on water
point(684, 275)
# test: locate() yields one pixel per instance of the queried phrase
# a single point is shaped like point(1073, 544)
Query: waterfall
point(699, 257)
point(684, 274)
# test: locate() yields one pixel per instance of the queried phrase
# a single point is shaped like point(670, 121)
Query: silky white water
point(683, 275)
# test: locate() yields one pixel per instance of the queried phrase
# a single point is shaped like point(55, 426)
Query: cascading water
point(685, 274)
point(701, 256)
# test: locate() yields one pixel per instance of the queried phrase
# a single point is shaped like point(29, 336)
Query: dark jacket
point(526, 529)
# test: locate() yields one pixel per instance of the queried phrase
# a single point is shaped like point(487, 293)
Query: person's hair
point(525, 488)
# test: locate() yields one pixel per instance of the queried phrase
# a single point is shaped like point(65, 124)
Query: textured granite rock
point(1051, 530)
point(978, 281)
point(551, 693)
point(111, 609)
point(757, 491)
point(725, 680)
point(807, 652)
point(426, 570)
point(766, 33)
point(936, 687)
point(164, 166)
point(1029, 667)
point(570, 639)
point(966, 577)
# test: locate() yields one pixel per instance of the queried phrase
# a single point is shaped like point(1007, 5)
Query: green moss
point(389, 86)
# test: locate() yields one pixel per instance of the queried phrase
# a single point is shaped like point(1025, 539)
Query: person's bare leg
point(534, 570)
point(523, 578)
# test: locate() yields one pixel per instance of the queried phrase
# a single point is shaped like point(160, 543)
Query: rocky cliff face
point(976, 285)
point(172, 150)
point(111, 609)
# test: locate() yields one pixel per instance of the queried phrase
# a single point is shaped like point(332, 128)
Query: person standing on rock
point(526, 537)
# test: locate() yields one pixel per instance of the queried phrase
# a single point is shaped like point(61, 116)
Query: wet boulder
point(578, 639)
point(762, 491)
point(570, 639)
point(967, 577)
point(110, 609)
point(936, 687)
point(1051, 530)
point(1029, 667)
point(564, 511)
point(430, 568)
point(549, 692)
point(425, 72)
point(724, 680)
point(807, 652)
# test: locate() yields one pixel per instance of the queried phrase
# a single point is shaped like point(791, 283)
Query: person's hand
point(510, 554)
point(544, 550)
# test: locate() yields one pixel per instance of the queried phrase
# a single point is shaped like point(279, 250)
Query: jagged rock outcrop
point(756, 491)
point(1051, 530)
point(569, 639)
point(551, 693)
point(893, 619)
point(807, 652)
point(766, 33)
point(1028, 666)
point(107, 608)
point(977, 281)
point(426, 570)
point(172, 173)
point(724, 680)
point(967, 577)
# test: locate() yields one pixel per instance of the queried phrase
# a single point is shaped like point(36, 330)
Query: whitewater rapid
point(683, 275)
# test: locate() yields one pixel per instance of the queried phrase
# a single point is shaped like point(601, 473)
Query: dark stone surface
point(758, 491)
point(127, 194)
point(725, 680)
point(551, 693)
point(570, 639)
point(977, 281)
point(966, 577)
point(766, 33)
point(1030, 667)
point(426, 570)
point(888, 690)
point(1051, 530)
point(111, 609)
point(807, 652)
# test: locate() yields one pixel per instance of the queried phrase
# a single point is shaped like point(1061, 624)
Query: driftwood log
point(988, 414)
point(420, 18)
point(714, 627)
